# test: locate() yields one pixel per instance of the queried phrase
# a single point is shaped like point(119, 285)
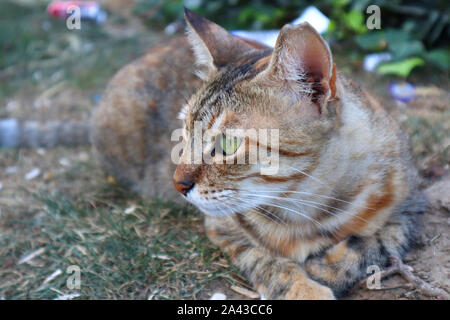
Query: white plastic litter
point(311, 14)
point(371, 61)
point(314, 17)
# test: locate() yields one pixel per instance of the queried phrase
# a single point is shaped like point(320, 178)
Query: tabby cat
point(343, 197)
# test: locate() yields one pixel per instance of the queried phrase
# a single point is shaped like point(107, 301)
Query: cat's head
point(261, 116)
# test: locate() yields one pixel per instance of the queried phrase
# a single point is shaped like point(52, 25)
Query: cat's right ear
point(213, 46)
point(301, 65)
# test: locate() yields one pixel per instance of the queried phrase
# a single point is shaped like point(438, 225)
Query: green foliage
point(232, 14)
point(413, 32)
point(38, 52)
point(345, 20)
point(410, 29)
point(440, 57)
point(401, 68)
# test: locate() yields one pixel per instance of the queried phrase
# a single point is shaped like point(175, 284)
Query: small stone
point(83, 156)
point(41, 151)
point(33, 174)
point(64, 162)
point(130, 210)
point(218, 296)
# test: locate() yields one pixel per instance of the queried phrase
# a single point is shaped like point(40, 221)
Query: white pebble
point(33, 174)
point(64, 162)
point(83, 156)
point(130, 210)
point(218, 296)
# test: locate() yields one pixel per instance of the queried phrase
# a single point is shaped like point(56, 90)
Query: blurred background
point(415, 34)
point(56, 207)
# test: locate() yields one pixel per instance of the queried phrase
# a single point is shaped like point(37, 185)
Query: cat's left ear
point(213, 46)
point(301, 63)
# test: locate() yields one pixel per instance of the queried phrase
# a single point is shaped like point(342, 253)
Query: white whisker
point(265, 215)
point(271, 214)
point(288, 209)
point(306, 193)
point(310, 176)
point(311, 204)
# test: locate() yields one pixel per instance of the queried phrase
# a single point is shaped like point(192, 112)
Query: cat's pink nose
point(184, 177)
point(183, 187)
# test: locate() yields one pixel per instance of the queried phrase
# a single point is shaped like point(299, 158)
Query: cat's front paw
point(308, 290)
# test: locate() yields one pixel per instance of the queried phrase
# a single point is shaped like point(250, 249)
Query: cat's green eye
point(229, 145)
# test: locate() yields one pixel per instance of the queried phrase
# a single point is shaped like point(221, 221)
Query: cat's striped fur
point(344, 196)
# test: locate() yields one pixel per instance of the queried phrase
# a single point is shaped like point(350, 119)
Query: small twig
point(398, 267)
point(400, 286)
point(434, 239)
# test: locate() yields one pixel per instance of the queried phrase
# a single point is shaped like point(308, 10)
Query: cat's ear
point(301, 63)
point(213, 46)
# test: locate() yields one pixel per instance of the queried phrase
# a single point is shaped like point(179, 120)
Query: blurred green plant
point(232, 14)
point(414, 32)
point(38, 52)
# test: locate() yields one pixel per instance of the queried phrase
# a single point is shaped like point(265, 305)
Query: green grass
point(38, 52)
point(125, 247)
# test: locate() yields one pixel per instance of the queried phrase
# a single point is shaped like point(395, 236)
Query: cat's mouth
point(219, 204)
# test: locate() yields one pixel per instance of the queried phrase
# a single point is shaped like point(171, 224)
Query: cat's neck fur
point(355, 153)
